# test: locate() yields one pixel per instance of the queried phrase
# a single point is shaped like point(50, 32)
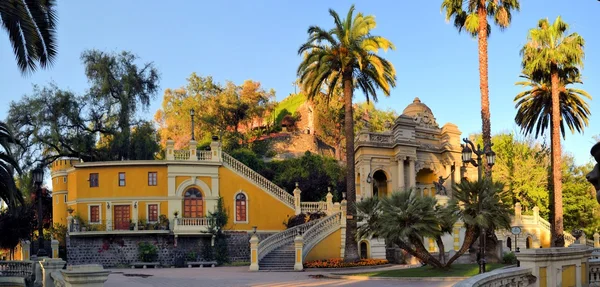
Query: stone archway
point(380, 184)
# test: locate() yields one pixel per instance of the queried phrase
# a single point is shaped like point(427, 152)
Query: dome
point(421, 114)
point(416, 108)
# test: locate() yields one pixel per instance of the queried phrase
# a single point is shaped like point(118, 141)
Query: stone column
point(517, 219)
point(536, 214)
point(136, 207)
point(412, 176)
point(254, 253)
point(297, 193)
point(596, 240)
point(92, 275)
point(401, 173)
point(170, 148)
point(215, 148)
point(25, 247)
point(329, 201)
point(108, 216)
point(54, 244)
point(192, 147)
point(578, 274)
point(50, 266)
point(298, 244)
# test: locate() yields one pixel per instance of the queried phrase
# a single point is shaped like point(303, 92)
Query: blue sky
point(258, 40)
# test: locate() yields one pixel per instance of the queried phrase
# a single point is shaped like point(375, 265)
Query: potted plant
point(142, 224)
point(70, 210)
point(175, 213)
point(163, 222)
point(131, 225)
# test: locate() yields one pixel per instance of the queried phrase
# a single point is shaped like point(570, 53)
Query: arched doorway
point(193, 203)
point(509, 243)
point(380, 183)
point(364, 250)
point(528, 242)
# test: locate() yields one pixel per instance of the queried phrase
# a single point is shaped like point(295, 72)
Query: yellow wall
point(543, 281)
point(143, 208)
point(264, 211)
point(136, 182)
point(426, 176)
point(584, 274)
point(59, 209)
point(328, 248)
point(568, 276)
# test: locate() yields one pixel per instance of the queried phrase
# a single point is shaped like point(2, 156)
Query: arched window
point(241, 207)
point(193, 205)
point(364, 250)
point(509, 243)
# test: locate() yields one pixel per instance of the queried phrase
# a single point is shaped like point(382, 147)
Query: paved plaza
point(240, 276)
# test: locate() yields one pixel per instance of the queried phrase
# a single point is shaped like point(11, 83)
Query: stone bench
point(190, 264)
point(144, 264)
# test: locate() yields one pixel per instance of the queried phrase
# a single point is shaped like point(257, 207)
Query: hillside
point(288, 106)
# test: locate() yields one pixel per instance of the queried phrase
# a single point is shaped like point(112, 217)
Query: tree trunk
point(470, 237)
point(423, 254)
point(440, 244)
point(558, 239)
point(482, 34)
point(351, 246)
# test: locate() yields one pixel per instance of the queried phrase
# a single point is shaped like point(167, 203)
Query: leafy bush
point(303, 218)
point(339, 263)
point(217, 220)
point(147, 252)
point(191, 256)
point(509, 258)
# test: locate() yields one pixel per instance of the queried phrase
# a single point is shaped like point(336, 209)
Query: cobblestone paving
point(240, 276)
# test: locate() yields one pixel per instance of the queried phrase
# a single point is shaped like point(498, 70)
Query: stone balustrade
point(515, 276)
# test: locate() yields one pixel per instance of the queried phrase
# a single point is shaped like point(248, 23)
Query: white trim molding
point(193, 181)
point(99, 213)
point(235, 207)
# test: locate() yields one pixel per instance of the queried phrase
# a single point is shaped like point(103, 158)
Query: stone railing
point(515, 276)
point(74, 227)
point(258, 179)
point(14, 268)
point(204, 155)
point(182, 154)
point(203, 221)
point(594, 278)
point(282, 238)
point(58, 280)
point(544, 223)
point(320, 231)
point(313, 206)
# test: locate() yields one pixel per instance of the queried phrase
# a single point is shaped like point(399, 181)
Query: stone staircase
point(280, 259)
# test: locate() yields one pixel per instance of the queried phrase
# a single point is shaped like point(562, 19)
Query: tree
point(548, 53)
point(472, 16)
point(31, 28)
point(404, 218)
point(118, 82)
point(346, 55)
point(9, 193)
point(478, 205)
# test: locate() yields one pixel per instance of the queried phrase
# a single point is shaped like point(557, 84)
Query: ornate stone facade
point(413, 152)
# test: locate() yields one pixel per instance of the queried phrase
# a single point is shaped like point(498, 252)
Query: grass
point(288, 106)
point(456, 270)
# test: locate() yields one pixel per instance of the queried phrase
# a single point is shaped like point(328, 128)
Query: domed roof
point(416, 108)
point(421, 114)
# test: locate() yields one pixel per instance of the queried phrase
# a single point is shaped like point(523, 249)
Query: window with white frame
point(152, 178)
point(241, 207)
point(121, 179)
point(153, 212)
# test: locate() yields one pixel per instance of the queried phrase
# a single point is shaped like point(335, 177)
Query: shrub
point(303, 218)
point(509, 258)
point(147, 252)
point(339, 263)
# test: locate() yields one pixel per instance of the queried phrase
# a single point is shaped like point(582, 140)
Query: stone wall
point(113, 250)
point(110, 251)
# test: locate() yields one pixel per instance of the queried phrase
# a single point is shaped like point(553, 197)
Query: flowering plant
point(339, 263)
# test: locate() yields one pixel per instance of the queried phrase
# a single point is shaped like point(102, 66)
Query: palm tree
point(9, 192)
point(549, 52)
point(346, 55)
point(478, 205)
point(534, 106)
point(472, 15)
point(31, 28)
point(404, 218)
point(446, 219)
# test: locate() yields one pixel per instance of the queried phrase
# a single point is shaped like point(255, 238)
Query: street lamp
point(467, 157)
point(192, 113)
point(38, 178)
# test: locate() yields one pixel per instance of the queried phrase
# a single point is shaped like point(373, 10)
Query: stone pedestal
point(254, 253)
point(54, 244)
point(442, 199)
point(298, 244)
point(48, 267)
point(92, 275)
point(558, 266)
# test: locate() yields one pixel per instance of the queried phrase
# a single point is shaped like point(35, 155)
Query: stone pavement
point(240, 276)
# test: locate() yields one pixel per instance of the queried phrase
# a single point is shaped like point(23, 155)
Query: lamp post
point(38, 178)
point(192, 113)
point(467, 157)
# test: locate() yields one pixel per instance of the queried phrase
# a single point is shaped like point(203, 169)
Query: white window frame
point(235, 207)
point(148, 211)
point(156, 178)
point(90, 213)
point(124, 179)
point(64, 179)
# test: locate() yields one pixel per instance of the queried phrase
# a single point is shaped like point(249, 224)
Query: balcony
point(190, 226)
point(78, 227)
